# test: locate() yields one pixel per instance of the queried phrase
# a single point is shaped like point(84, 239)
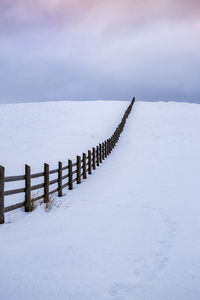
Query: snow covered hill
point(131, 231)
point(35, 133)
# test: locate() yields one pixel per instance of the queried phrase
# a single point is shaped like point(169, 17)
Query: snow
point(131, 231)
point(35, 133)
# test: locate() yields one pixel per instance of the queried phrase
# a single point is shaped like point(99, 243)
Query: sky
point(99, 49)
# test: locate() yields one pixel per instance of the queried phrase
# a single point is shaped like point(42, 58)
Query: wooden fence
point(66, 175)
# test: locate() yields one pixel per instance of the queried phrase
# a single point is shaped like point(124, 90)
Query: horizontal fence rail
point(67, 175)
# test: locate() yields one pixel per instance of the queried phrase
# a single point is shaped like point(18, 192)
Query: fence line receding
point(67, 175)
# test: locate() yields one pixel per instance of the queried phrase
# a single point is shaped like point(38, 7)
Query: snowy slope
point(131, 231)
point(35, 133)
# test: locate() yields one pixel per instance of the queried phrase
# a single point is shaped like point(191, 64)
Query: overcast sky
point(99, 49)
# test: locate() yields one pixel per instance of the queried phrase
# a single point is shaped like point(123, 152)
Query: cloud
point(19, 15)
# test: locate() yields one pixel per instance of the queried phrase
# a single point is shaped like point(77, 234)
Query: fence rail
point(84, 164)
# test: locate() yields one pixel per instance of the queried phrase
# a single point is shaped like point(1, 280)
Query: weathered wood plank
point(54, 191)
point(37, 186)
point(13, 192)
point(65, 176)
point(53, 171)
point(36, 175)
point(65, 185)
point(38, 198)
point(13, 207)
point(53, 181)
point(14, 178)
point(64, 168)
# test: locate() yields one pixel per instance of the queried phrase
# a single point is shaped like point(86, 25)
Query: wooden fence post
point(27, 203)
point(60, 179)
point(120, 128)
point(103, 151)
point(70, 175)
point(93, 158)
point(107, 142)
point(100, 153)
point(78, 171)
point(97, 156)
point(109, 148)
point(112, 143)
point(46, 183)
point(117, 134)
point(89, 162)
point(2, 183)
point(84, 166)
point(105, 145)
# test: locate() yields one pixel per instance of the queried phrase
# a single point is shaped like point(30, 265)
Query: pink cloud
point(22, 14)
